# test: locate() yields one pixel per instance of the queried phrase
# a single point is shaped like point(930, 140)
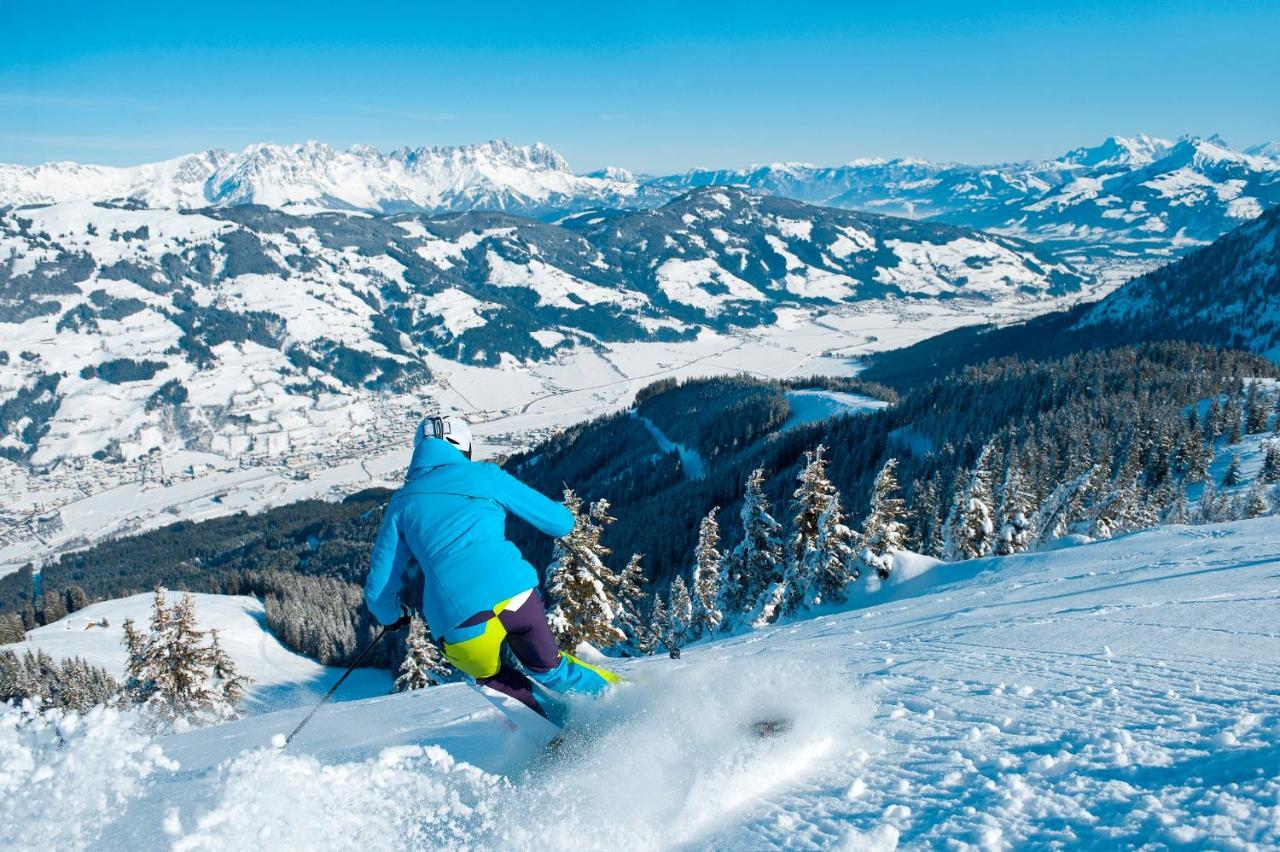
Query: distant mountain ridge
point(496, 175)
point(1129, 200)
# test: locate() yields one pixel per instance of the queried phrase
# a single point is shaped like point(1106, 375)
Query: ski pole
point(323, 701)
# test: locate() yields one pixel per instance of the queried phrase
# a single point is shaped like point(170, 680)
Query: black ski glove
point(406, 615)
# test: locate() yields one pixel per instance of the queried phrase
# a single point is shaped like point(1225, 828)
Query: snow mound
point(63, 777)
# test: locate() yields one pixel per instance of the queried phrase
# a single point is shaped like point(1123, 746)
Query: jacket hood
point(434, 452)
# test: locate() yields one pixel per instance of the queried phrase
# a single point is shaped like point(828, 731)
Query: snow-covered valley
point(83, 500)
point(1123, 693)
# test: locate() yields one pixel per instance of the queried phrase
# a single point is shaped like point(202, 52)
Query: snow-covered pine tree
point(53, 607)
point(173, 673)
point(1014, 533)
point(1175, 506)
point(1256, 410)
point(136, 688)
point(658, 627)
point(178, 665)
point(1270, 472)
point(1122, 507)
point(76, 599)
point(582, 590)
point(1213, 425)
point(820, 543)
point(1210, 509)
point(883, 531)
point(1233, 414)
point(631, 586)
point(1232, 477)
point(1062, 507)
point(971, 528)
point(706, 577)
point(1256, 502)
point(757, 562)
point(423, 664)
point(11, 628)
point(229, 681)
point(833, 565)
point(679, 617)
point(1194, 457)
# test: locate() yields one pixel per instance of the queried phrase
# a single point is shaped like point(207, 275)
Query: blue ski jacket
point(450, 518)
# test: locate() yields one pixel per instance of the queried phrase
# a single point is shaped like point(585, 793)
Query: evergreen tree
point(173, 673)
point(679, 617)
point(1256, 502)
point(820, 545)
point(1232, 477)
point(225, 675)
point(1210, 509)
point(970, 525)
point(706, 577)
point(1061, 508)
point(1014, 526)
point(658, 627)
point(53, 608)
point(1270, 472)
point(883, 531)
point(1256, 410)
point(631, 594)
point(136, 686)
point(76, 599)
point(1232, 414)
point(1195, 458)
point(757, 563)
point(71, 684)
point(583, 591)
point(1213, 422)
point(423, 664)
point(11, 628)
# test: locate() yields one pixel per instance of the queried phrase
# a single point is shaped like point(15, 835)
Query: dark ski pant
point(475, 648)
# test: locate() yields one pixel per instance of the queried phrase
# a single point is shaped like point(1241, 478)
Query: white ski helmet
point(448, 427)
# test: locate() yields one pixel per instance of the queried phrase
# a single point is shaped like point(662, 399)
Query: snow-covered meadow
point(1123, 693)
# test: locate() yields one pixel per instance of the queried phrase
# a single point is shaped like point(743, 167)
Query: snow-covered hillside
point(1126, 202)
point(281, 677)
point(1227, 293)
point(1116, 694)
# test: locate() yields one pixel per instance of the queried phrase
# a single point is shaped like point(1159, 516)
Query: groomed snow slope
point(1114, 694)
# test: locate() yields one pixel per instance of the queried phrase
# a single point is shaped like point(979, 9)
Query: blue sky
point(654, 87)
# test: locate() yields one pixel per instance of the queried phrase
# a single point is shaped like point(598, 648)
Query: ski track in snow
point(1124, 693)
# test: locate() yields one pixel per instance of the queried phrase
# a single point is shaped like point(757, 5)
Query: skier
point(479, 593)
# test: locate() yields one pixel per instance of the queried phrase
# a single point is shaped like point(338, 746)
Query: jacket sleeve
point(386, 571)
point(545, 514)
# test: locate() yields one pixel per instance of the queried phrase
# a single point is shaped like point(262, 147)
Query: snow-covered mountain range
point(126, 329)
point(1129, 201)
point(495, 175)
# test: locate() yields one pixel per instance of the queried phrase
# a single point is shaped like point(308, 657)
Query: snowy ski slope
point(1114, 694)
